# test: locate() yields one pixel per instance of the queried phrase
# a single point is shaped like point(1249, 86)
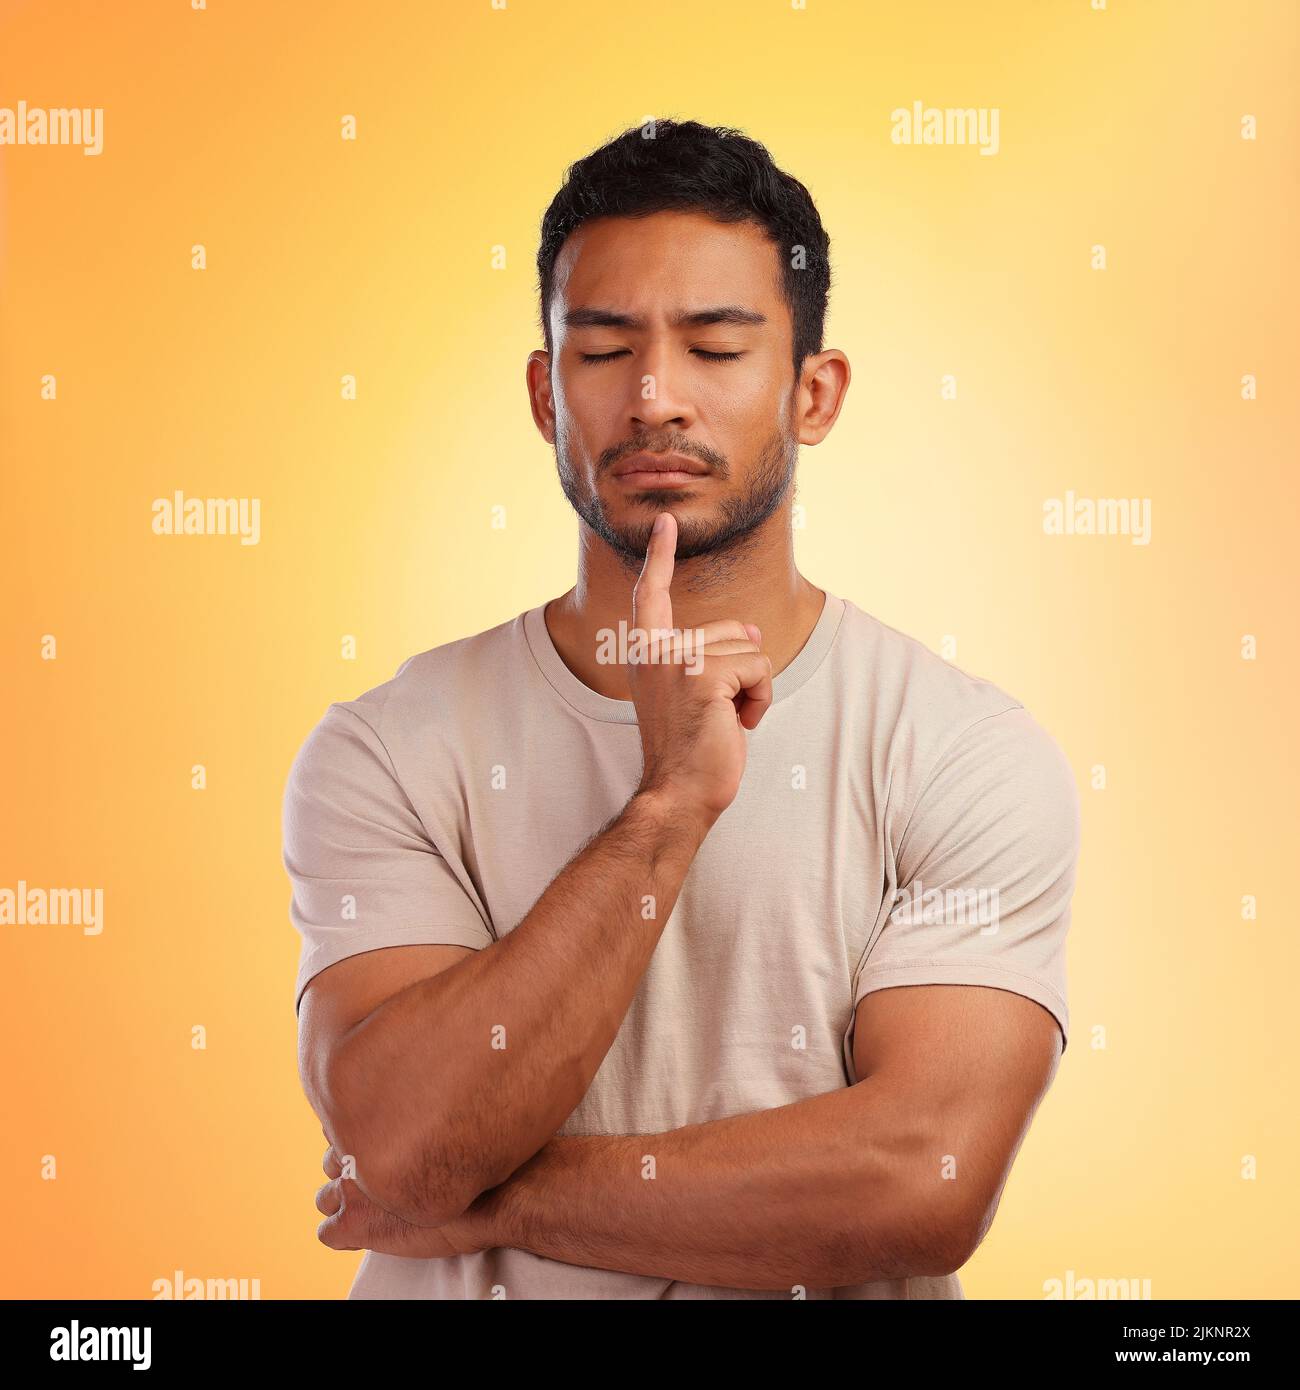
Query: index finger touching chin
point(652, 608)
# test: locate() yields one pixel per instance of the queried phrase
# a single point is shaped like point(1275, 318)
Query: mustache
point(663, 444)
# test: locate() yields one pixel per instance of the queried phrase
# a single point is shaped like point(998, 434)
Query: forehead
point(665, 262)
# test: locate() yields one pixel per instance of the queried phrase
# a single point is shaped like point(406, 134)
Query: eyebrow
point(699, 318)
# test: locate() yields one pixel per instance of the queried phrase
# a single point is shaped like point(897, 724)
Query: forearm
point(839, 1189)
point(448, 1086)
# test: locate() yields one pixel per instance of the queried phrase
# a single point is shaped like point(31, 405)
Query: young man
point(723, 964)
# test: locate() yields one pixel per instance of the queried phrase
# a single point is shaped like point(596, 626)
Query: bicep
point(366, 873)
point(337, 999)
point(967, 1066)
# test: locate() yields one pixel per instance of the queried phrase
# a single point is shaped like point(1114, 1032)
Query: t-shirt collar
point(597, 706)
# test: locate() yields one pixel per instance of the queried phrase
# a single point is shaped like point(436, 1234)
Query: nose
point(659, 400)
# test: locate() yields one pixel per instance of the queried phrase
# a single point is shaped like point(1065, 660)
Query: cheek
point(585, 408)
point(744, 408)
point(757, 380)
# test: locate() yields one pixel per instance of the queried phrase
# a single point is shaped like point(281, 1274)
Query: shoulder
point(427, 698)
point(913, 682)
point(439, 684)
point(946, 733)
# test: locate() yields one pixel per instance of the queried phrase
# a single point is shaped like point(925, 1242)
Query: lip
point(659, 470)
point(658, 478)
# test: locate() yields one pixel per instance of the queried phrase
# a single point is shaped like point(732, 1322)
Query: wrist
point(670, 817)
point(497, 1216)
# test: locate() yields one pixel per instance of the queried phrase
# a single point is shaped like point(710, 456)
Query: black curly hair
point(677, 166)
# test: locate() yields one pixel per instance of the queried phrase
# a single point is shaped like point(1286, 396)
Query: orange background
point(373, 257)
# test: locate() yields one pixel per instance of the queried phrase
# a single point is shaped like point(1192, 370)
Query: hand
point(354, 1222)
point(692, 717)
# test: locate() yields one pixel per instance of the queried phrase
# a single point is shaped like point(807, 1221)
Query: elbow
point(418, 1188)
point(949, 1244)
point(947, 1254)
point(920, 1243)
point(409, 1173)
point(907, 1256)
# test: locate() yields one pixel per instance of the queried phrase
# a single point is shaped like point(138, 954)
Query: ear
point(540, 398)
point(823, 384)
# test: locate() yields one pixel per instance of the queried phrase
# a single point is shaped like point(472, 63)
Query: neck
point(755, 581)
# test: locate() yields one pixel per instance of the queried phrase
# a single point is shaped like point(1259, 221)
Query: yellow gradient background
point(374, 257)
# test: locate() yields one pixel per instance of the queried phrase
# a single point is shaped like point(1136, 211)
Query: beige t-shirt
point(899, 822)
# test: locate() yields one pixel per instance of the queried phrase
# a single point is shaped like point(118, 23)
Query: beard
point(738, 516)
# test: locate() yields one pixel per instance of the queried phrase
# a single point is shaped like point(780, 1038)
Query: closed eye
point(622, 352)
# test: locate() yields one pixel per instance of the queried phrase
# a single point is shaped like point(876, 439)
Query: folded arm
point(898, 1175)
point(441, 1069)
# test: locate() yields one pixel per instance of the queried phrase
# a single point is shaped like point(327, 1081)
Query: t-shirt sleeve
point(365, 872)
point(985, 870)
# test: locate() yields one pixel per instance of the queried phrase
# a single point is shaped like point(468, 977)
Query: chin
point(634, 518)
point(669, 499)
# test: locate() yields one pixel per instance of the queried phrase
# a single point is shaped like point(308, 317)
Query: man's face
point(671, 349)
